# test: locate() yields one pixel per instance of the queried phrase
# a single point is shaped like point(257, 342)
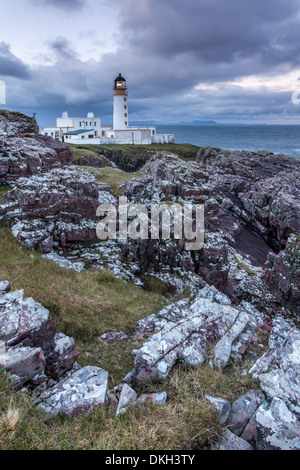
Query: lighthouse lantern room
point(120, 104)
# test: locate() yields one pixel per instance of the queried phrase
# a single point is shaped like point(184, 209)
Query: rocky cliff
point(23, 152)
point(243, 283)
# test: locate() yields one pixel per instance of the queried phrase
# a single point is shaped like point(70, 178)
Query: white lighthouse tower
point(120, 104)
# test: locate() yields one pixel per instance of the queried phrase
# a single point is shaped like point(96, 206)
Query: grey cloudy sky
point(223, 60)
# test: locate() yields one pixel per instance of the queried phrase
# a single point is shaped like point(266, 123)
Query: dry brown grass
point(187, 421)
point(9, 421)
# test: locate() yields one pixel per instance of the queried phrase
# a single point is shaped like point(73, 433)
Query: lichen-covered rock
point(127, 398)
point(4, 287)
point(62, 357)
point(166, 178)
point(56, 209)
point(183, 331)
point(23, 152)
point(14, 124)
point(63, 262)
point(277, 428)
point(259, 189)
point(275, 203)
point(232, 442)
point(282, 274)
point(243, 409)
point(278, 370)
point(24, 362)
point(24, 157)
point(81, 391)
point(30, 340)
point(25, 320)
point(223, 348)
point(223, 407)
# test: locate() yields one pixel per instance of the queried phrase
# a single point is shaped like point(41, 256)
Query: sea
point(275, 138)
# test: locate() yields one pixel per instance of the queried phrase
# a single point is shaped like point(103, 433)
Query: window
point(95, 124)
point(126, 123)
point(153, 132)
point(125, 114)
point(125, 106)
point(103, 133)
point(125, 100)
point(91, 136)
point(90, 124)
point(80, 123)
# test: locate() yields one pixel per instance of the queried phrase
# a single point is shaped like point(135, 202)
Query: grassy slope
point(135, 156)
point(85, 305)
point(111, 176)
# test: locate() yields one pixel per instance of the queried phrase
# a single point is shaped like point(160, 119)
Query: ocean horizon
point(254, 137)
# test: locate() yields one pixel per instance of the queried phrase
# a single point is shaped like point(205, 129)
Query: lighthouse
point(120, 104)
point(88, 130)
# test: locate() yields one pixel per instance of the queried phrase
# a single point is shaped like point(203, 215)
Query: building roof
point(79, 131)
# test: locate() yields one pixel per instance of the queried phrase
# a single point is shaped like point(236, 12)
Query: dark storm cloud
point(62, 4)
point(214, 32)
point(10, 65)
point(166, 48)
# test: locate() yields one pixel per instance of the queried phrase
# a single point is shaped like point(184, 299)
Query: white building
point(89, 130)
point(66, 124)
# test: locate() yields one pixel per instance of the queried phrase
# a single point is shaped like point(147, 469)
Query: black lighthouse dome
point(120, 82)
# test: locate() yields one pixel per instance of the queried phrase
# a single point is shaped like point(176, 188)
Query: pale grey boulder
point(222, 350)
point(223, 407)
point(25, 319)
point(81, 391)
point(278, 370)
point(26, 323)
point(277, 428)
point(183, 331)
point(4, 287)
point(127, 398)
point(63, 262)
point(62, 357)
